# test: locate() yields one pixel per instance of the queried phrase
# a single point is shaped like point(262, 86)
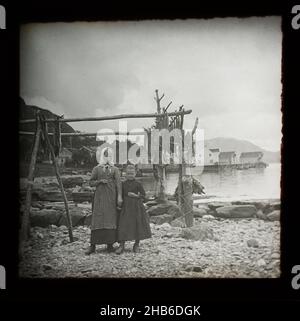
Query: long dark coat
point(133, 221)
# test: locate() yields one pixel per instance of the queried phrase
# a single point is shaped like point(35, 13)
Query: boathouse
point(227, 158)
point(251, 157)
point(211, 156)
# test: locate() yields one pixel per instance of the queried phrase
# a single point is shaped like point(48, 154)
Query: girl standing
point(133, 220)
point(106, 178)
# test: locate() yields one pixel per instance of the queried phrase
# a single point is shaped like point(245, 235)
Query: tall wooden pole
point(185, 186)
point(187, 197)
point(181, 167)
point(161, 170)
point(54, 161)
point(25, 225)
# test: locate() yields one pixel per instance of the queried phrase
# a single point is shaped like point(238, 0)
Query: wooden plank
point(70, 120)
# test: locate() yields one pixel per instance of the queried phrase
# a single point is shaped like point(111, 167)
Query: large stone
point(44, 217)
point(59, 207)
point(80, 197)
point(87, 206)
point(274, 216)
point(215, 205)
point(166, 208)
point(261, 215)
point(199, 212)
point(274, 206)
point(165, 226)
point(201, 232)
point(87, 188)
point(88, 220)
point(160, 219)
point(236, 211)
point(151, 203)
point(72, 181)
point(77, 215)
point(158, 209)
point(202, 207)
point(51, 195)
point(260, 205)
point(39, 205)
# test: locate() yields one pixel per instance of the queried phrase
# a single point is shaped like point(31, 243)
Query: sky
point(227, 70)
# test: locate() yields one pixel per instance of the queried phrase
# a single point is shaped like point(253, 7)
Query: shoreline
point(228, 239)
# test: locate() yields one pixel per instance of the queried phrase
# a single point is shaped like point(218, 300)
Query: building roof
point(214, 150)
point(251, 154)
point(226, 154)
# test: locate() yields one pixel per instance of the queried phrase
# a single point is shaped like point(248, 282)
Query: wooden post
point(25, 227)
point(161, 170)
point(187, 204)
point(185, 186)
point(69, 220)
point(181, 166)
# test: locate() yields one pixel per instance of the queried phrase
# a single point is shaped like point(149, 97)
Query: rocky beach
point(236, 239)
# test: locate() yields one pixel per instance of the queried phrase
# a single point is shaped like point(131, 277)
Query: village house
point(211, 156)
point(227, 158)
point(64, 156)
point(251, 157)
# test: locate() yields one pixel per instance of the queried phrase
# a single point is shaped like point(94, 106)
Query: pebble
point(252, 243)
point(197, 269)
point(261, 262)
point(39, 235)
point(47, 267)
point(275, 256)
point(208, 217)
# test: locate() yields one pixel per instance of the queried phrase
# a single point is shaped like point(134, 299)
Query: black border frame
point(165, 290)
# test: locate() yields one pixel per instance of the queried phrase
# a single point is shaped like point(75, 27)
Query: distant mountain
point(232, 144)
point(26, 141)
point(28, 112)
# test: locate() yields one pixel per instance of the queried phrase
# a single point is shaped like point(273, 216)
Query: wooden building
point(251, 157)
point(227, 158)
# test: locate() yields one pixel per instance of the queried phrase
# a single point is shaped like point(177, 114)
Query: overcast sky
point(228, 71)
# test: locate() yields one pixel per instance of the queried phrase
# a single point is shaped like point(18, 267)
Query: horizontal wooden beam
point(89, 134)
point(72, 120)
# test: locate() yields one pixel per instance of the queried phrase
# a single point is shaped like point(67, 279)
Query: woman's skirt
point(103, 236)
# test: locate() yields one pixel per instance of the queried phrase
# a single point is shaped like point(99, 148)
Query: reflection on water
point(231, 183)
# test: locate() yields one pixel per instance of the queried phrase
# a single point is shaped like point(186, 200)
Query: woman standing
point(134, 222)
point(107, 197)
